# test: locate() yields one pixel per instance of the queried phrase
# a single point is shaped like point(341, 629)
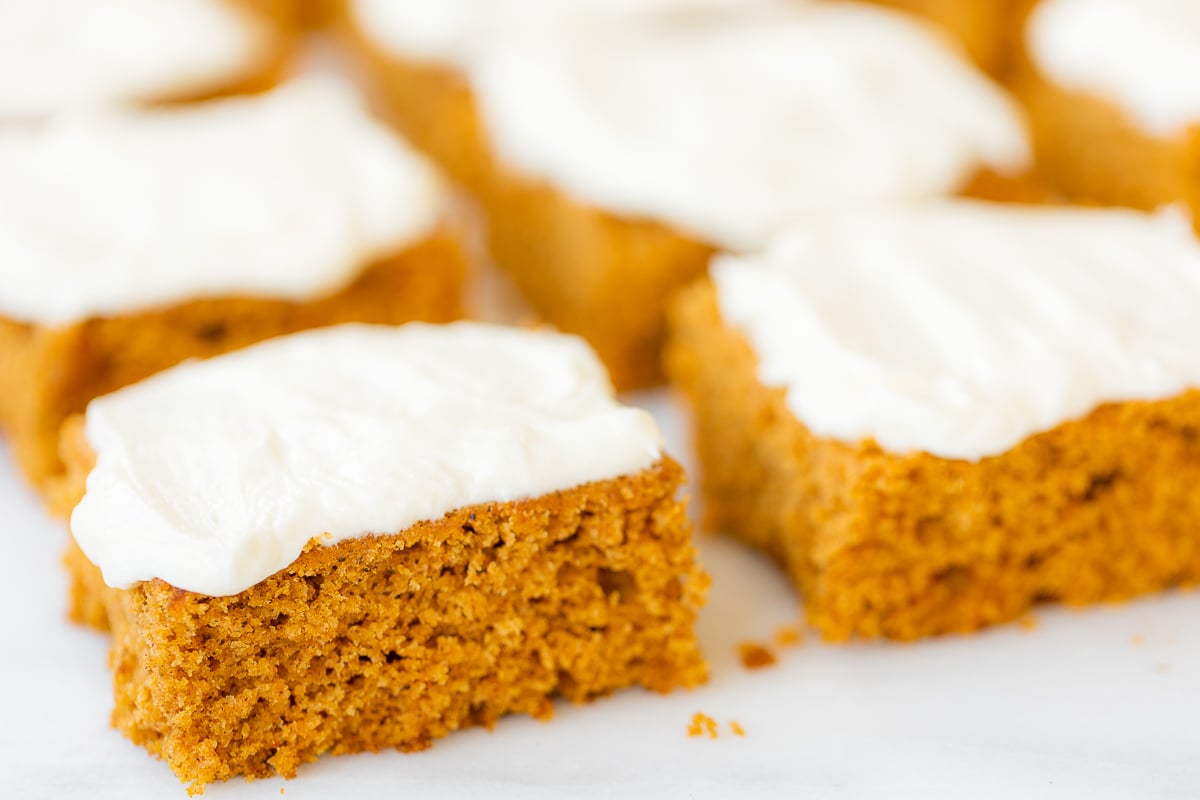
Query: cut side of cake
point(935, 418)
point(131, 241)
point(367, 537)
point(615, 147)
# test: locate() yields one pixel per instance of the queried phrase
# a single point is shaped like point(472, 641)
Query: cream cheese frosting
point(61, 54)
point(729, 123)
point(455, 32)
point(1142, 56)
point(961, 328)
point(214, 475)
point(286, 195)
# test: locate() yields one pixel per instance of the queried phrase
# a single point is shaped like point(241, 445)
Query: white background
point(1102, 703)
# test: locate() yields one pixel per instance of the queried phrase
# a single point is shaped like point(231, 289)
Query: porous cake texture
point(393, 640)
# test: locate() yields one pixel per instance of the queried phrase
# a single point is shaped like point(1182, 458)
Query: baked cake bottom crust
point(905, 546)
point(392, 641)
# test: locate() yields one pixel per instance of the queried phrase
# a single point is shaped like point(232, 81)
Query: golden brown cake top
point(215, 474)
point(961, 328)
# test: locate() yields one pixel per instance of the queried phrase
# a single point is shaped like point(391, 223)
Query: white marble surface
point(1103, 703)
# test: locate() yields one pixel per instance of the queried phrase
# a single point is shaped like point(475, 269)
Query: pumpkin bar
point(936, 417)
point(615, 147)
point(367, 537)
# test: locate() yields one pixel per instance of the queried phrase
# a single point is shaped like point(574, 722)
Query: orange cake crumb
point(755, 655)
point(1028, 622)
point(737, 728)
point(789, 636)
point(702, 725)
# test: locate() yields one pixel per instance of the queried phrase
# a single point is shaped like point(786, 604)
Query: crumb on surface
point(1028, 623)
point(737, 728)
point(789, 636)
point(702, 725)
point(755, 655)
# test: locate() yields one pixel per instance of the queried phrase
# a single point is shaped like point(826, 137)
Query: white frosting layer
point(287, 195)
point(61, 54)
point(456, 32)
point(1141, 55)
point(214, 475)
point(960, 328)
point(727, 124)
